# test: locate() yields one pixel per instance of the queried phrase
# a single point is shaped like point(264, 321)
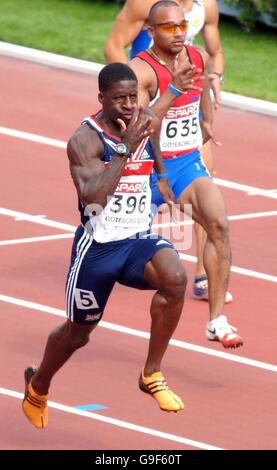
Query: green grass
point(78, 28)
point(250, 61)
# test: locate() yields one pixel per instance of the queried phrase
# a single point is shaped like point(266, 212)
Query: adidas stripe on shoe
point(156, 386)
point(34, 405)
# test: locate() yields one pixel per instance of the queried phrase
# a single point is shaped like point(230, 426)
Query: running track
point(230, 398)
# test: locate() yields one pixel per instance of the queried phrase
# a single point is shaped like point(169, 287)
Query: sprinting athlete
point(111, 159)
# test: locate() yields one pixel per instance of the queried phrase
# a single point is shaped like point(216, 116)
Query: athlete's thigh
point(92, 275)
point(208, 157)
point(206, 200)
point(143, 251)
point(188, 168)
point(164, 268)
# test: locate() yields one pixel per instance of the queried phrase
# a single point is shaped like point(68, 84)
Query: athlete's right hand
point(139, 127)
point(165, 190)
point(184, 77)
point(208, 133)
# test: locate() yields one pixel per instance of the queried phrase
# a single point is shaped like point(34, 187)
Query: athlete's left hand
point(215, 86)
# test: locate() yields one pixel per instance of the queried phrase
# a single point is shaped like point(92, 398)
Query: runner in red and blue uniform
point(160, 72)
point(130, 29)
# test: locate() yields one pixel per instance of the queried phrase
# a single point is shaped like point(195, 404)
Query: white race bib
point(128, 211)
point(130, 204)
point(181, 129)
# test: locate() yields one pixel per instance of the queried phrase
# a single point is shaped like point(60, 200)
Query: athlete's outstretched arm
point(126, 27)
point(211, 37)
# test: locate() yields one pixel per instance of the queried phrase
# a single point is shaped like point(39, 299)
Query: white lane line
point(251, 190)
point(254, 215)
point(144, 334)
point(37, 220)
point(46, 238)
point(38, 216)
point(40, 139)
point(253, 193)
point(72, 228)
point(236, 269)
point(118, 422)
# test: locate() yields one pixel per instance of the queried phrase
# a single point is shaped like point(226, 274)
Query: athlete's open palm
point(139, 127)
point(185, 75)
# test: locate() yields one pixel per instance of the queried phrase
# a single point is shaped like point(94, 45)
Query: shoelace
point(226, 328)
point(202, 284)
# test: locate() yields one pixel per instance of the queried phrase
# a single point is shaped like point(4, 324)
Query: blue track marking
point(93, 406)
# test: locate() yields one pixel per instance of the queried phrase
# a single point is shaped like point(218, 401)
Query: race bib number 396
point(130, 205)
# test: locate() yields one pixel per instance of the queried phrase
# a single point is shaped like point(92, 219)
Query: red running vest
point(180, 130)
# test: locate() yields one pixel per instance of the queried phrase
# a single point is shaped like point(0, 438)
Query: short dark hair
point(157, 6)
point(115, 72)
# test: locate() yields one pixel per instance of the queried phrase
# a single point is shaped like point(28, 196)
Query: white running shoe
point(220, 330)
point(200, 290)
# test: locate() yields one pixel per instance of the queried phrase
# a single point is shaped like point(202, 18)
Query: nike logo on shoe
point(213, 332)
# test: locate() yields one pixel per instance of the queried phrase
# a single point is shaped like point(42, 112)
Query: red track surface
point(228, 404)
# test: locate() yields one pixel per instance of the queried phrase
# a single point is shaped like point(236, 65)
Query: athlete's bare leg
point(62, 342)
point(208, 209)
point(166, 274)
point(200, 234)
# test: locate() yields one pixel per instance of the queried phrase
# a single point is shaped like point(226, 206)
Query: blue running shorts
point(96, 267)
point(182, 171)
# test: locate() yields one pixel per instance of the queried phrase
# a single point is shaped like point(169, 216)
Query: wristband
point(162, 176)
point(220, 75)
point(175, 90)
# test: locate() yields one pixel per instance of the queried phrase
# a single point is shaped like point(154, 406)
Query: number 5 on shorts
point(85, 299)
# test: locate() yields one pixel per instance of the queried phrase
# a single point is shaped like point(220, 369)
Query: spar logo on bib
point(182, 112)
point(130, 188)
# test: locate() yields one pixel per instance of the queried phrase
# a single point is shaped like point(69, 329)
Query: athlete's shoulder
point(83, 143)
point(140, 65)
point(143, 70)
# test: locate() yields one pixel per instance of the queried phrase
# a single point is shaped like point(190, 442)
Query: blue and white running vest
point(128, 210)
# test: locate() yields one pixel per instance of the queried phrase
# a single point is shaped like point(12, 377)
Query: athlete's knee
point(78, 336)
point(78, 341)
point(218, 229)
point(174, 284)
